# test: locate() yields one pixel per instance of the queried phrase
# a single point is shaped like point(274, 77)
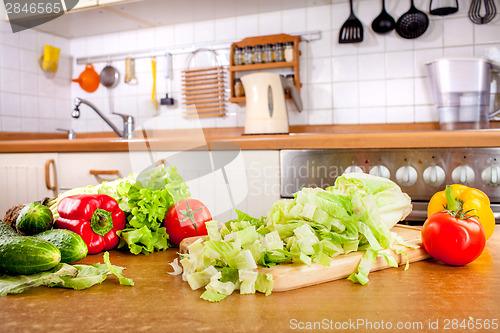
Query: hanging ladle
point(384, 22)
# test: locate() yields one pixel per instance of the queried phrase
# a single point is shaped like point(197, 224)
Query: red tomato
point(453, 240)
point(186, 219)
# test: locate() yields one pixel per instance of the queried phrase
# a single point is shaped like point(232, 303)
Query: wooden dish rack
point(204, 89)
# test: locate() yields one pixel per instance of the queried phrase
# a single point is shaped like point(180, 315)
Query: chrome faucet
point(128, 121)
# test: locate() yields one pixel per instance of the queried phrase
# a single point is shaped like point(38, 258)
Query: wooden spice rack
point(262, 40)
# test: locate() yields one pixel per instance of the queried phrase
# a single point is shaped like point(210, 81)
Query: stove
point(420, 172)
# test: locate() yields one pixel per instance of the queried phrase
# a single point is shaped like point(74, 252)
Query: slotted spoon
point(352, 29)
point(413, 23)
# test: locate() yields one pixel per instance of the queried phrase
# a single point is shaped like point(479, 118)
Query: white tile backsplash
point(381, 80)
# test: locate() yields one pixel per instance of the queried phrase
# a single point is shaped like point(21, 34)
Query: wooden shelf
point(262, 40)
point(267, 65)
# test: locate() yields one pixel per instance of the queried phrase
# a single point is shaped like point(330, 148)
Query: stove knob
point(463, 175)
point(491, 176)
point(406, 175)
point(381, 171)
point(353, 168)
point(434, 175)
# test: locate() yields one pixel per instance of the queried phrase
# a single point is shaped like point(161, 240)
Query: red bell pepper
point(95, 217)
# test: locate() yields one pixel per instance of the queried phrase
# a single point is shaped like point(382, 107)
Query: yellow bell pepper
point(469, 200)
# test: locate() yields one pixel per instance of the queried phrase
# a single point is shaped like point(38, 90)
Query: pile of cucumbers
point(34, 246)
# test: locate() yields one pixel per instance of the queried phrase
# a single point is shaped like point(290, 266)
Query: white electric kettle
point(266, 111)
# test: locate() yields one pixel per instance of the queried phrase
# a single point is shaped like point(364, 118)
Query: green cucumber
point(27, 255)
point(6, 230)
point(34, 218)
point(71, 245)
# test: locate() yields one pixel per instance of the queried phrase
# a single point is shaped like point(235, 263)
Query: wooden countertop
point(427, 293)
point(302, 137)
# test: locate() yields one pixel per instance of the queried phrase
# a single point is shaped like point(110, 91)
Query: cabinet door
point(84, 169)
point(27, 177)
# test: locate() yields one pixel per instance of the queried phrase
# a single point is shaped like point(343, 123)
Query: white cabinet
point(247, 180)
point(84, 169)
point(27, 177)
point(223, 180)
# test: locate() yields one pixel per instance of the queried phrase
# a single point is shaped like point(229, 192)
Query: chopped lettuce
point(355, 214)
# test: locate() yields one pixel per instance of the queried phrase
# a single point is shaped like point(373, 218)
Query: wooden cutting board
point(294, 276)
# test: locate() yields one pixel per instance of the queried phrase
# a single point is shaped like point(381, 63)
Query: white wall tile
point(204, 31)
point(270, 23)
point(372, 115)
point(488, 33)
point(320, 96)
point(345, 95)
point(9, 57)
point(30, 125)
point(247, 26)
point(320, 71)
point(455, 35)
point(11, 124)
point(399, 64)
point(320, 117)
point(345, 116)
point(294, 20)
point(426, 113)
point(345, 68)
point(10, 81)
point(399, 92)
point(11, 104)
point(371, 66)
point(372, 93)
point(225, 29)
point(318, 18)
point(400, 114)
point(29, 107)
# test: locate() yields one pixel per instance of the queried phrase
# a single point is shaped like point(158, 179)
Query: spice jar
point(257, 54)
point(238, 56)
point(248, 55)
point(289, 51)
point(278, 52)
point(238, 88)
point(268, 53)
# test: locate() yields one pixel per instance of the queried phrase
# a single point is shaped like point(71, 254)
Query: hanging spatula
point(352, 29)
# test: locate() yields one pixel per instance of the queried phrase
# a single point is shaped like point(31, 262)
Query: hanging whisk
point(490, 10)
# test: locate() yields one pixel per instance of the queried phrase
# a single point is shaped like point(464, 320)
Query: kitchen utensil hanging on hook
point(352, 29)
point(110, 77)
point(89, 79)
point(413, 23)
point(154, 102)
point(443, 10)
point(130, 72)
point(490, 10)
point(383, 22)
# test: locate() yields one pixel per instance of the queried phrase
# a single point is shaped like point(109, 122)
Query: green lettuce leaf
point(75, 277)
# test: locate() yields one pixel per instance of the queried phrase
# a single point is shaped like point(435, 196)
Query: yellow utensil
point(50, 58)
point(153, 94)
